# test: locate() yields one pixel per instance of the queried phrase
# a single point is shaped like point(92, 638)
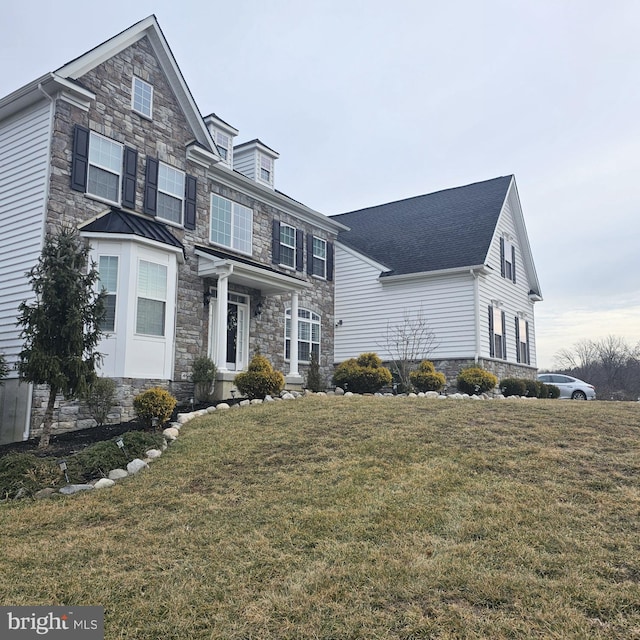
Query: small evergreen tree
point(314, 379)
point(61, 328)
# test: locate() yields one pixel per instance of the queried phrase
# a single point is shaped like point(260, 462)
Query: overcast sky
point(373, 101)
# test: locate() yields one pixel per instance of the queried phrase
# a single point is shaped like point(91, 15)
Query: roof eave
point(478, 269)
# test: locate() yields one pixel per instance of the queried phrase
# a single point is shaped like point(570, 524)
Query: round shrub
point(260, 379)
point(155, 403)
point(364, 374)
point(426, 378)
point(531, 388)
point(513, 387)
point(476, 380)
point(553, 392)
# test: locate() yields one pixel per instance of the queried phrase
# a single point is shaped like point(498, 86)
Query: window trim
point(109, 292)
point(288, 246)
point(144, 84)
point(93, 135)
point(236, 208)
point(312, 319)
point(313, 257)
point(497, 316)
point(265, 163)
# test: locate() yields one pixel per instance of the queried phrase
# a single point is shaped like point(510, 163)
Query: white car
point(571, 388)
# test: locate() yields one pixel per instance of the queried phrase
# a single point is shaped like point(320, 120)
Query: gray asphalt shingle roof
point(442, 230)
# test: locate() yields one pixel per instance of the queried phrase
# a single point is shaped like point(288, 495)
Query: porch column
point(221, 319)
point(293, 351)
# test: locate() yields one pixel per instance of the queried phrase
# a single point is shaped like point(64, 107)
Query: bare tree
point(408, 343)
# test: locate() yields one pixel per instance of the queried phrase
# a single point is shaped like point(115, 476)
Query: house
point(198, 251)
point(457, 261)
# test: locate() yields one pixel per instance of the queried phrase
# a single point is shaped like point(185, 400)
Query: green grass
point(345, 518)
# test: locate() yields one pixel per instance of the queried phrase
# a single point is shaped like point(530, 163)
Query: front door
point(237, 334)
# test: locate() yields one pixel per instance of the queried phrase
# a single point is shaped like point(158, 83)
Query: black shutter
point(526, 324)
point(151, 186)
point(329, 260)
point(190, 196)
point(517, 339)
point(299, 250)
point(513, 263)
point(502, 257)
point(491, 335)
point(309, 254)
point(129, 170)
point(80, 158)
point(275, 242)
point(504, 336)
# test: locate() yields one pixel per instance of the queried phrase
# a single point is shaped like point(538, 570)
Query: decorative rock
point(455, 396)
point(348, 394)
point(75, 488)
point(288, 396)
point(117, 474)
point(421, 394)
point(222, 405)
point(431, 394)
point(235, 406)
point(170, 434)
point(211, 409)
point(153, 453)
point(256, 401)
point(201, 412)
point(103, 483)
point(321, 394)
point(175, 425)
point(183, 417)
point(244, 403)
point(442, 397)
point(412, 395)
point(136, 465)
point(47, 492)
point(268, 398)
point(339, 391)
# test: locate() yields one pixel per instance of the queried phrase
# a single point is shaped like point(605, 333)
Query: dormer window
point(266, 168)
point(222, 134)
point(223, 142)
point(142, 97)
point(256, 161)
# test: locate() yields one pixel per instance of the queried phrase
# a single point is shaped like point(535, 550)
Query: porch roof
point(246, 272)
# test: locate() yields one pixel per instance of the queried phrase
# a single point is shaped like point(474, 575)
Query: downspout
point(476, 311)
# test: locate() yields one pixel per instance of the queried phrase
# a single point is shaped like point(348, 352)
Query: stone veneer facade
point(166, 137)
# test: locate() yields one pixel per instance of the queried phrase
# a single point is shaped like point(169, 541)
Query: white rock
point(211, 409)
point(136, 465)
point(175, 425)
point(339, 391)
point(103, 483)
point(442, 397)
point(322, 394)
point(153, 453)
point(75, 488)
point(348, 394)
point(201, 412)
point(171, 434)
point(412, 395)
point(256, 401)
point(183, 418)
point(268, 399)
point(245, 403)
point(117, 474)
point(431, 394)
point(288, 396)
point(422, 394)
point(222, 405)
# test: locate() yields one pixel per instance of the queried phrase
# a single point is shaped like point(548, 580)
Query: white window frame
point(110, 292)
point(522, 341)
point(307, 318)
point(156, 295)
point(285, 245)
point(223, 142)
point(142, 97)
point(166, 180)
point(498, 352)
point(265, 164)
point(95, 139)
point(314, 256)
point(237, 233)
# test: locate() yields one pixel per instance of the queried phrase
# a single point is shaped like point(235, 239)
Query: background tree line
point(610, 364)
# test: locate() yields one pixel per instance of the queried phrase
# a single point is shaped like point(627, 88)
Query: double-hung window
point(497, 333)
point(308, 334)
point(152, 298)
point(142, 97)
point(266, 169)
point(170, 193)
point(108, 270)
point(105, 168)
point(287, 246)
point(231, 224)
point(522, 340)
point(318, 257)
point(223, 142)
point(507, 259)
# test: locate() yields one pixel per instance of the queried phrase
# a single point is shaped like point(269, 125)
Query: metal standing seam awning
point(246, 272)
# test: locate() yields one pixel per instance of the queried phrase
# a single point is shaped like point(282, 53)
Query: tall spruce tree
point(61, 328)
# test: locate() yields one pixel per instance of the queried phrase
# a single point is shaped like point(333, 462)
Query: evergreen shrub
point(364, 374)
point(100, 398)
point(23, 474)
point(260, 379)
point(426, 378)
point(203, 377)
point(513, 387)
point(154, 403)
point(476, 380)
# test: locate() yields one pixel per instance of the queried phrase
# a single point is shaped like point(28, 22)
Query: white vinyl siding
point(24, 151)
point(367, 307)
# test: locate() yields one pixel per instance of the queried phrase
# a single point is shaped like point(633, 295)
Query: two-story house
point(197, 250)
point(455, 264)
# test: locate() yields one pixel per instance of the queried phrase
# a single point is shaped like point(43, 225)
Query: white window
point(152, 298)
point(522, 346)
point(231, 224)
point(287, 245)
point(170, 193)
point(223, 142)
point(319, 258)
point(266, 168)
point(108, 270)
point(105, 168)
point(497, 338)
point(308, 334)
point(142, 97)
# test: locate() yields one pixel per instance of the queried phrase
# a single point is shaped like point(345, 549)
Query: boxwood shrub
point(260, 379)
point(426, 378)
point(476, 380)
point(364, 374)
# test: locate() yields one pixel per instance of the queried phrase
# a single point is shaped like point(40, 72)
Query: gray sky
point(369, 102)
